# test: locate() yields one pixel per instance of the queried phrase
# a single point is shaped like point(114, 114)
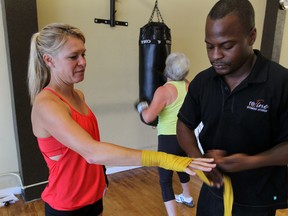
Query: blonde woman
point(67, 130)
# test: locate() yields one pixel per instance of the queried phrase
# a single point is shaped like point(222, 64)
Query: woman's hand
point(203, 164)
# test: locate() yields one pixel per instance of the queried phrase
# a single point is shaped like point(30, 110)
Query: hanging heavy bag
point(154, 47)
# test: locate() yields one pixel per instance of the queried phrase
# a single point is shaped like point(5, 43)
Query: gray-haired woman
point(165, 104)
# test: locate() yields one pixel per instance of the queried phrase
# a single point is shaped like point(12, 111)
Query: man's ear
point(253, 35)
point(48, 60)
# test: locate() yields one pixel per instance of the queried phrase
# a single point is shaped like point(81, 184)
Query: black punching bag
point(154, 47)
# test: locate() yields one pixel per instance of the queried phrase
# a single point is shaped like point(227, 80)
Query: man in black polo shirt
point(242, 101)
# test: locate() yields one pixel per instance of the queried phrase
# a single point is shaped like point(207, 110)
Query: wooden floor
point(131, 193)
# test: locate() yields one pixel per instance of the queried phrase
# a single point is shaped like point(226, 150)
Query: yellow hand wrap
point(178, 163)
point(227, 193)
point(164, 160)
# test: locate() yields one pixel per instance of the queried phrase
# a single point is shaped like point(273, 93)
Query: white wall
point(8, 153)
point(111, 82)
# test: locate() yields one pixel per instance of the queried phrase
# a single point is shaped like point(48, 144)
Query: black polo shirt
point(251, 119)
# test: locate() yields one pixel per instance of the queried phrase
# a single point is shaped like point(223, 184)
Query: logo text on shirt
point(258, 105)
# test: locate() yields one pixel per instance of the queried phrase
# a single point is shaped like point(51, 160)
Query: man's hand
point(236, 162)
point(215, 176)
point(231, 163)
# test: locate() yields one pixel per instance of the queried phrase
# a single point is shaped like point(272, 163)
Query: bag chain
point(156, 9)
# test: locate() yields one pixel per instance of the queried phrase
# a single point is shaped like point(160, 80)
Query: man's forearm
point(276, 156)
point(187, 140)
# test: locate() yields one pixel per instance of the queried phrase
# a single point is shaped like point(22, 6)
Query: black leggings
point(169, 144)
point(89, 210)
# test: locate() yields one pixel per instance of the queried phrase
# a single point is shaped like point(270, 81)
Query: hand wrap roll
point(228, 196)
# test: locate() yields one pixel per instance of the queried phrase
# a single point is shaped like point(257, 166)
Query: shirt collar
point(259, 71)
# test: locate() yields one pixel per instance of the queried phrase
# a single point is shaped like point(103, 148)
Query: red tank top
point(73, 183)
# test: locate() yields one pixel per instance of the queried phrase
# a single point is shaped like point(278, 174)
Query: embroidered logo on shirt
point(258, 105)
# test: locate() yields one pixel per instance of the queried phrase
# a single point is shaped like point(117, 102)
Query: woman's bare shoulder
point(46, 101)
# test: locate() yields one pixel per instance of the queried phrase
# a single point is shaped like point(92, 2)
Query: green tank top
point(167, 118)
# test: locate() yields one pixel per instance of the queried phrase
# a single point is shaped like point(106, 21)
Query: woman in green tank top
point(165, 105)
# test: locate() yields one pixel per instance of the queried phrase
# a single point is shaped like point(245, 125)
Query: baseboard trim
point(10, 190)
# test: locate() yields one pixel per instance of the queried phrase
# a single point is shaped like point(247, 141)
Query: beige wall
point(284, 49)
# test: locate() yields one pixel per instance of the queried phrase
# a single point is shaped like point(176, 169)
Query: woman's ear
point(48, 60)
